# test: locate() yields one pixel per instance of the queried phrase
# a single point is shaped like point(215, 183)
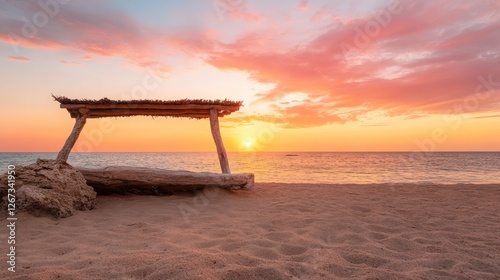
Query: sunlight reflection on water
point(315, 167)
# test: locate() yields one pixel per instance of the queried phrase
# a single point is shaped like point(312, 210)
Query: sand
point(273, 231)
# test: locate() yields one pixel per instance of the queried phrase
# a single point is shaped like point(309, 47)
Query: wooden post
point(70, 142)
point(221, 151)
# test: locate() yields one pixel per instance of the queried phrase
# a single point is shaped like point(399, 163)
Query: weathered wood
point(70, 142)
point(123, 179)
point(100, 113)
point(177, 108)
point(231, 108)
point(221, 151)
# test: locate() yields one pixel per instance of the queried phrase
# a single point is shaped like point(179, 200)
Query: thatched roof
point(106, 101)
point(190, 108)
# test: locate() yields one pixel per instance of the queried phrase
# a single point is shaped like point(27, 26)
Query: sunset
point(250, 139)
point(329, 75)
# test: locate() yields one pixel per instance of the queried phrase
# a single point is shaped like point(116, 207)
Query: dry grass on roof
point(105, 101)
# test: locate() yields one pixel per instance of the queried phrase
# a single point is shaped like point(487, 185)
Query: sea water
point(306, 167)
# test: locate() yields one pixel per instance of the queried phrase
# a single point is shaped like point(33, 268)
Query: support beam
point(221, 151)
point(231, 108)
point(70, 142)
point(99, 113)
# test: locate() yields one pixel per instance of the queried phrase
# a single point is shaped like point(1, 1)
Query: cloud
point(375, 125)
point(303, 5)
point(303, 115)
point(409, 59)
point(392, 61)
point(487, 117)
point(70, 63)
point(19, 58)
point(235, 9)
point(90, 27)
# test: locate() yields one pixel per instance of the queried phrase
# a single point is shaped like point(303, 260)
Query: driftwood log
point(141, 180)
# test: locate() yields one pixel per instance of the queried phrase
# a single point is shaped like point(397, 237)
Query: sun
point(247, 143)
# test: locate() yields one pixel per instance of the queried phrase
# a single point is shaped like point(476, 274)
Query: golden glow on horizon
point(142, 134)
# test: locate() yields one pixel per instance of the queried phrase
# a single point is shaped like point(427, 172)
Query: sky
point(317, 75)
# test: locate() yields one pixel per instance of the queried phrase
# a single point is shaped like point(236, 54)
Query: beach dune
point(273, 231)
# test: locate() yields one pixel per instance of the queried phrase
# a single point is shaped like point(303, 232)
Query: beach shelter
point(83, 109)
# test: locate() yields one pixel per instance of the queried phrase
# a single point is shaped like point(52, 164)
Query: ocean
point(306, 167)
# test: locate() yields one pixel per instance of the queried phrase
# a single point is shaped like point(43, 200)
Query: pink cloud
point(409, 67)
point(19, 58)
point(70, 63)
point(303, 5)
point(93, 29)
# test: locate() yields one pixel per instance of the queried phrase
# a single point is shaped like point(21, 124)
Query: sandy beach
point(273, 231)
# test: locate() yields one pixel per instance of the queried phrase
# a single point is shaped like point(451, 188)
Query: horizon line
point(355, 151)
